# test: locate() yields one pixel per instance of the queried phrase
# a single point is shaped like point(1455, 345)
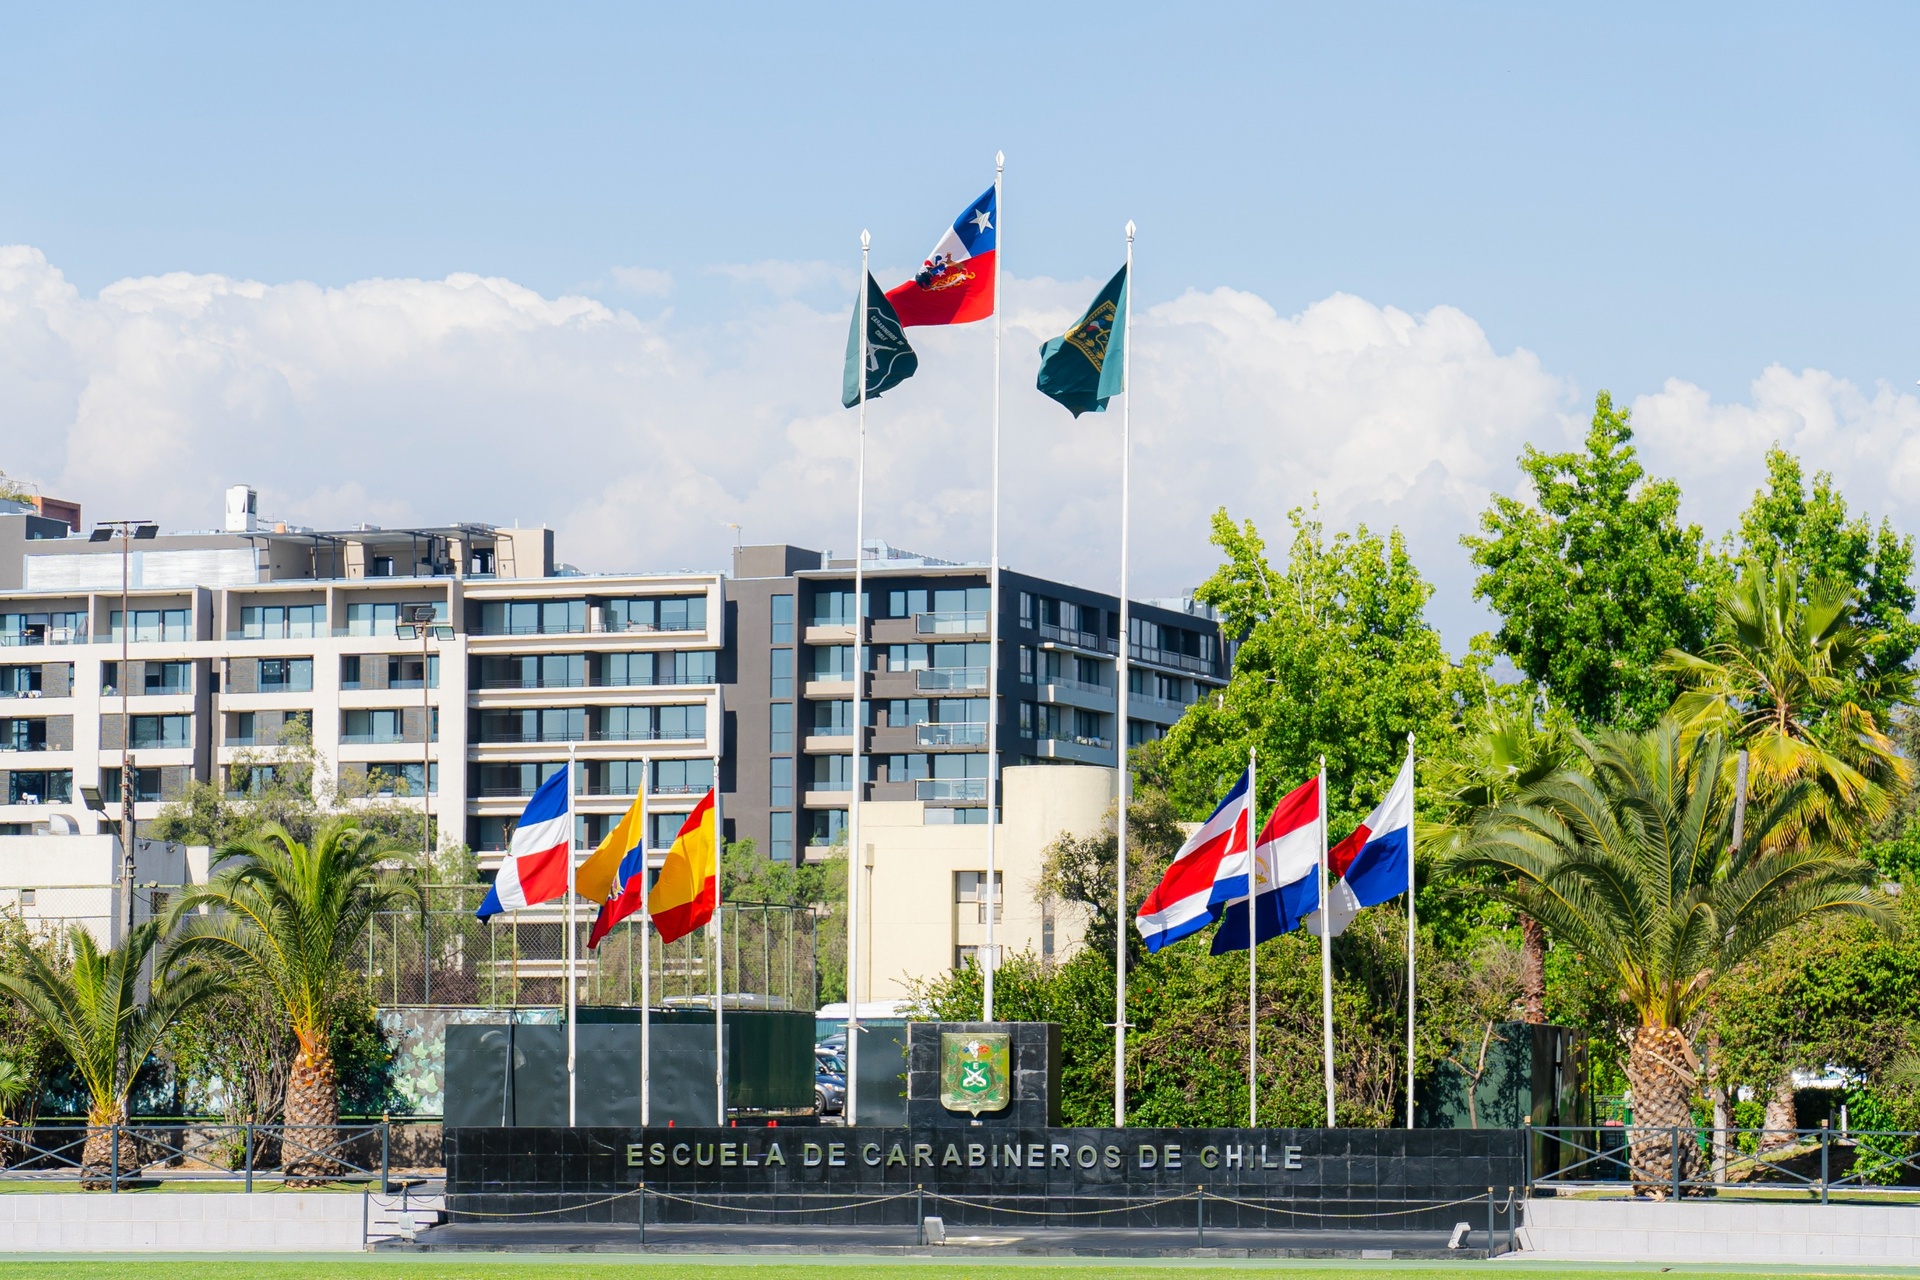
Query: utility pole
point(129, 532)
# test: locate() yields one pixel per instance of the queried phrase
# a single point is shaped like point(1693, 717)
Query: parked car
point(829, 1080)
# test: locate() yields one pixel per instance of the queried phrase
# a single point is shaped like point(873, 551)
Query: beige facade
point(922, 912)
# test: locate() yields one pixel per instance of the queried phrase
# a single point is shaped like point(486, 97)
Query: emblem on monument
point(976, 1071)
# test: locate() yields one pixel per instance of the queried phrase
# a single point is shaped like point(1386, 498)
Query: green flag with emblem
point(890, 361)
point(1083, 367)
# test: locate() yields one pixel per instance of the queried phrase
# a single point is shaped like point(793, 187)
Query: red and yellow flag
point(684, 896)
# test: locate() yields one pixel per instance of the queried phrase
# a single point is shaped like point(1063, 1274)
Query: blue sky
point(1630, 194)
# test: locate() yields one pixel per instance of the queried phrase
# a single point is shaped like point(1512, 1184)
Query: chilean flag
point(1286, 866)
point(1381, 861)
point(1210, 871)
point(535, 868)
point(955, 284)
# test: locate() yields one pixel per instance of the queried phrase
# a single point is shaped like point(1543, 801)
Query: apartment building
point(790, 685)
point(235, 634)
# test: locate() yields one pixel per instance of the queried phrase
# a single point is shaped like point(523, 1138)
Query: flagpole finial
point(1129, 230)
point(866, 239)
point(999, 161)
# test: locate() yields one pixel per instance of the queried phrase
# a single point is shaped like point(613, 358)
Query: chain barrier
point(1422, 1207)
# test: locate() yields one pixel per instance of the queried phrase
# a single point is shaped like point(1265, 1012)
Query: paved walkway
point(968, 1241)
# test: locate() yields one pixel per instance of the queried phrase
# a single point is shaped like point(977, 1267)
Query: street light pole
point(420, 619)
point(128, 530)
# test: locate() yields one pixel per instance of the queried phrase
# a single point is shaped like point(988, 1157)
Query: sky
point(591, 265)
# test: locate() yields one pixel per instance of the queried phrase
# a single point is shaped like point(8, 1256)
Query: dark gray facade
point(789, 685)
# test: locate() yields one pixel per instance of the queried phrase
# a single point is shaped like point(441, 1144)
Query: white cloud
point(784, 279)
point(647, 282)
point(470, 398)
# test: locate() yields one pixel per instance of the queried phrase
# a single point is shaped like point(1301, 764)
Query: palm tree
point(1508, 750)
point(91, 1008)
point(287, 916)
point(1629, 859)
point(1792, 680)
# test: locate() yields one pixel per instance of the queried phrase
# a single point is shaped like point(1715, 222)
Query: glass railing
point(952, 678)
point(830, 731)
point(953, 735)
point(950, 789)
point(23, 746)
point(1081, 740)
point(372, 739)
point(1085, 686)
point(964, 623)
point(1167, 658)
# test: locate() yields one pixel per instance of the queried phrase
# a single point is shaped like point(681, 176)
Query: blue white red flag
point(1382, 866)
point(1286, 865)
point(1210, 871)
point(955, 284)
point(535, 868)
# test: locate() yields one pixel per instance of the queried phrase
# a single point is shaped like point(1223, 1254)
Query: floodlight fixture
point(91, 797)
point(146, 533)
point(101, 534)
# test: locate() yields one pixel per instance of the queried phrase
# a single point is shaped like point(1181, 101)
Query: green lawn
point(532, 1267)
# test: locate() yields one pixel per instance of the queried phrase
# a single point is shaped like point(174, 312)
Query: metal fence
point(1679, 1161)
point(447, 957)
point(133, 1155)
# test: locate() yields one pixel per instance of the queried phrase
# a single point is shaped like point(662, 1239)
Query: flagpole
point(1326, 949)
point(1122, 786)
point(719, 923)
point(572, 944)
point(1253, 932)
point(859, 660)
point(1410, 928)
point(646, 964)
point(993, 604)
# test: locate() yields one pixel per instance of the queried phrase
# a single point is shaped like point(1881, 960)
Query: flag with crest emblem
point(1083, 367)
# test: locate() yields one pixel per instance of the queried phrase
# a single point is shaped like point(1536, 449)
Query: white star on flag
point(981, 218)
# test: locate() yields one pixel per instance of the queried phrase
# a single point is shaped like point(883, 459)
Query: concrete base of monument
point(965, 1241)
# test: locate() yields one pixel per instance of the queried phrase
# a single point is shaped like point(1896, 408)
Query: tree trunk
point(1663, 1074)
point(313, 1114)
point(1777, 1128)
point(1533, 970)
point(96, 1157)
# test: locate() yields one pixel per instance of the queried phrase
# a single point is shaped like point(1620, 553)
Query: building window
point(285, 675)
point(166, 732)
point(283, 622)
point(782, 632)
point(533, 617)
point(618, 670)
point(657, 613)
point(826, 828)
point(151, 626)
point(780, 831)
point(384, 619)
point(905, 604)
point(679, 722)
point(780, 678)
point(780, 726)
point(362, 726)
point(1026, 609)
point(833, 608)
point(393, 779)
point(834, 662)
point(969, 895)
point(146, 785)
point(780, 790)
point(173, 677)
point(46, 786)
point(403, 671)
point(43, 628)
point(682, 777)
point(1027, 656)
point(20, 682)
point(694, 667)
point(832, 719)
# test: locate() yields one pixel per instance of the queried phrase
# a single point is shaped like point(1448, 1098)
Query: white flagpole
point(646, 964)
point(993, 606)
point(1410, 927)
point(572, 943)
point(859, 726)
point(1123, 784)
point(1326, 948)
point(719, 925)
point(1253, 933)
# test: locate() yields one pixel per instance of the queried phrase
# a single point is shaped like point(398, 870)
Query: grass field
point(525, 1267)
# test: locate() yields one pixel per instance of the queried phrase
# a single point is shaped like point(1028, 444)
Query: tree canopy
point(1596, 577)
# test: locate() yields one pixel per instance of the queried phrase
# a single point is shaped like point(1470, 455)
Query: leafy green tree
point(1629, 862)
point(1596, 577)
point(1336, 659)
point(91, 1007)
point(1816, 530)
point(1792, 680)
point(289, 916)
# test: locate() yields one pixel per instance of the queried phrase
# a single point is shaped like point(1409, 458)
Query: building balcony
point(964, 623)
point(937, 679)
point(829, 741)
point(1080, 750)
point(1175, 661)
point(1077, 693)
point(829, 795)
point(828, 633)
point(951, 735)
point(950, 789)
point(829, 686)
point(1076, 639)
